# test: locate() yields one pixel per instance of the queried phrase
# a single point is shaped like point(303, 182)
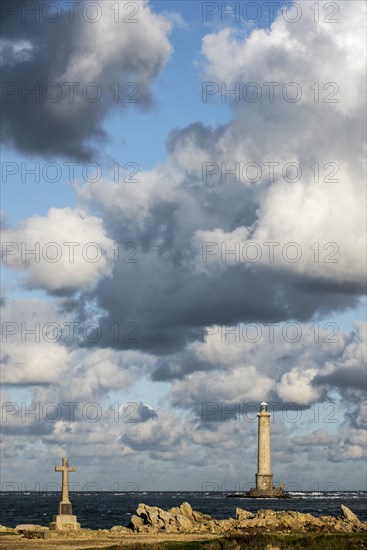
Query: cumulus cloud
point(81, 79)
point(317, 437)
point(62, 253)
point(347, 444)
point(296, 386)
point(238, 384)
point(277, 366)
point(348, 372)
point(31, 353)
point(199, 234)
point(161, 433)
point(43, 349)
point(302, 211)
point(274, 54)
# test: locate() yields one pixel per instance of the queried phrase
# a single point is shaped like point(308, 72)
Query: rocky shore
point(150, 519)
point(151, 525)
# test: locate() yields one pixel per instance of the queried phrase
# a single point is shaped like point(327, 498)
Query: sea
point(103, 510)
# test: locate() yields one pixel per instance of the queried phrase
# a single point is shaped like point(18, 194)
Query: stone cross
point(64, 521)
point(65, 505)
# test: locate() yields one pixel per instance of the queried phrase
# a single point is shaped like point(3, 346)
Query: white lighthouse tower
point(264, 477)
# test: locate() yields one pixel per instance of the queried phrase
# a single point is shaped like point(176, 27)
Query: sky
point(183, 237)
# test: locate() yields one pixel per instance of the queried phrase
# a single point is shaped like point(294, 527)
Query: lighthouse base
point(274, 492)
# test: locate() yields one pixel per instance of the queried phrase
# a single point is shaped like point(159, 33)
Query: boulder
point(29, 527)
point(182, 519)
point(185, 510)
point(349, 515)
point(155, 517)
point(243, 514)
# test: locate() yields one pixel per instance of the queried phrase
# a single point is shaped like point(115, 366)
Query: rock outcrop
point(184, 519)
point(176, 520)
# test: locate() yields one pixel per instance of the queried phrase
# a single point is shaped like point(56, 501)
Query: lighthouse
point(264, 477)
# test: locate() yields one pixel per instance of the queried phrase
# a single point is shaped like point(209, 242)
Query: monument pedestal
point(64, 522)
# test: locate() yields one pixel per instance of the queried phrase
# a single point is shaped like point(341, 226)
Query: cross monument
point(65, 504)
point(65, 521)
